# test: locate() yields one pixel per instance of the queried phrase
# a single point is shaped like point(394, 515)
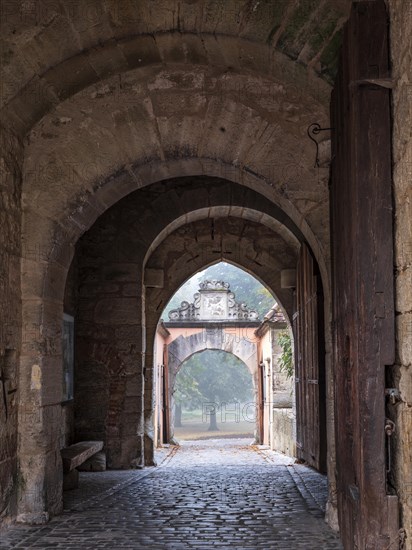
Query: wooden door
point(309, 363)
point(165, 396)
point(362, 281)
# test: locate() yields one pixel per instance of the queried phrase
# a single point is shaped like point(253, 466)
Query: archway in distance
point(214, 397)
point(242, 331)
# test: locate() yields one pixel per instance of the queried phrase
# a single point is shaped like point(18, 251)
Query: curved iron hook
point(315, 129)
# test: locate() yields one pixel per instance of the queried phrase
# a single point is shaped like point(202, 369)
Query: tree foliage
point(187, 390)
point(285, 360)
point(213, 376)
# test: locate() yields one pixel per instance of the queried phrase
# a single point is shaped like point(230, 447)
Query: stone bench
point(73, 457)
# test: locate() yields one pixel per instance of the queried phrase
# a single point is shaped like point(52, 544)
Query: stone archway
point(93, 98)
point(132, 95)
point(127, 318)
point(215, 337)
point(64, 197)
point(214, 320)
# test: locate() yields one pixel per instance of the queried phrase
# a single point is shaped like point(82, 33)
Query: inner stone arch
point(212, 320)
point(223, 403)
point(216, 338)
point(117, 309)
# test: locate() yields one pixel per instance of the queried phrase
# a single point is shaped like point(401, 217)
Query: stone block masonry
point(400, 377)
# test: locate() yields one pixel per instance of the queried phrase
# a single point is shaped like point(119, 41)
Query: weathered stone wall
point(10, 322)
point(401, 376)
point(279, 413)
point(108, 368)
point(284, 431)
point(283, 408)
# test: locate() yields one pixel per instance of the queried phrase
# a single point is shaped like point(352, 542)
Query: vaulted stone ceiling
point(163, 227)
point(110, 96)
point(58, 47)
point(194, 246)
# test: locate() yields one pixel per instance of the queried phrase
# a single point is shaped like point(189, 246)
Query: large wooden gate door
point(363, 302)
point(309, 363)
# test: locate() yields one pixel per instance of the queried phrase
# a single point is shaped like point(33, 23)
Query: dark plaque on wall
point(68, 356)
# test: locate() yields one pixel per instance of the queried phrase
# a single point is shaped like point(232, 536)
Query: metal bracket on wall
point(389, 431)
point(387, 83)
point(3, 381)
point(313, 130)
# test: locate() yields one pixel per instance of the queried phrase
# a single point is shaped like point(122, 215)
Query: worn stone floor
point(217, 493)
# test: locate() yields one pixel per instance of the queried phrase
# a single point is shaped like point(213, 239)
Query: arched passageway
point(110, 318)
point(209, 316)
point(216, 338)
point(116, 242)
point(145, 144)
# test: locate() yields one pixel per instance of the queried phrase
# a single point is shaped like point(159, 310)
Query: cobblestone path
point(223, 494)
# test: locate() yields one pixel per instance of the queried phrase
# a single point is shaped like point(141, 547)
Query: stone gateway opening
point(225, 406)
point(142, 142)
point(204, 332)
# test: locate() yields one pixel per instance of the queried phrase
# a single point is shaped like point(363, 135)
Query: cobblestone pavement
point(220, 493)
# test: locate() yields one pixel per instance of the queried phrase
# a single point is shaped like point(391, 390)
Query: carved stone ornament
point(214, 285)
point(213, 302)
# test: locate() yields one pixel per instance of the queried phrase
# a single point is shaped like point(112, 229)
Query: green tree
point(219, 377)
point(285, 360)
point(186, 393)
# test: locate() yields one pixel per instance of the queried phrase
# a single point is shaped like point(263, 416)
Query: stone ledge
point(78, 453)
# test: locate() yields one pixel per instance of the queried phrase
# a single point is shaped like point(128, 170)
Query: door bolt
point(393, 394)
point(389, 427)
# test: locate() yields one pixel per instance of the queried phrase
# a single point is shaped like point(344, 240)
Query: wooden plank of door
point(362, 245)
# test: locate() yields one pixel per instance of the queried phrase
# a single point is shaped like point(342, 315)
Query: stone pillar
point(40, 425)
point(151, 317)
point(10, 323)
point(149, 402)
point(400, 409)
point(41, 433)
